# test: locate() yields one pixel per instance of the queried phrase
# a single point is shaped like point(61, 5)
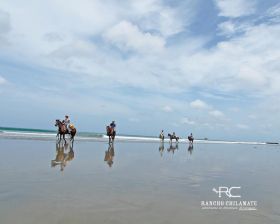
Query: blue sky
point(207, 67)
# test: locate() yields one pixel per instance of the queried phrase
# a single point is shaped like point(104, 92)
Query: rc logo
point(228, 191)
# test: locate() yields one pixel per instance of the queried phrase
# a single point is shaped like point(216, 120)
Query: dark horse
point(190, 138)
point(62, 131)
point(111, 134)
point(173, 136)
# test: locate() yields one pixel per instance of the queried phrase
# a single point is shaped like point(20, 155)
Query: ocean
point(42, 134)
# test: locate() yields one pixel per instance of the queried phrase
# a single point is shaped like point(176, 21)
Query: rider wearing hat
point(66, 122)
point(112, 126)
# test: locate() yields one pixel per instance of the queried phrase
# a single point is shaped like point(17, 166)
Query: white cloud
point(167, 108)
point(134, 120)
point(236, 8)
point(252, 116)
point(186, 120)
point(230, 28)
point(5, 24)
point(217, 113)
point(2, 80)
point(199, 104)
point(128, 36)
point(242, 126)
point(273, 13)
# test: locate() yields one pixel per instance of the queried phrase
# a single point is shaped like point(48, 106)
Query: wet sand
point(134, 182)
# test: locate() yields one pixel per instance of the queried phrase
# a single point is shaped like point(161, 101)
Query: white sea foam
point(103, 138)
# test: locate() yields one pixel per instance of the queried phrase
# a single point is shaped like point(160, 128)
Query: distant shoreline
point(50, 135)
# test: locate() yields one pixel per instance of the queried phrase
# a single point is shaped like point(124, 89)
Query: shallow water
point(138, 182)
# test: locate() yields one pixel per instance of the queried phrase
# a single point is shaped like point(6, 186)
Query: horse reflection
point(161, 148)
point(64, 154)
point(172, 148)
point(109, 155)
point(190, 148)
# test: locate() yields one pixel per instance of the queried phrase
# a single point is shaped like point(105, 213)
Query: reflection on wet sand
point(172, 148)
point(64, 154)
point(109, 155)
point(161, 148)
point(190, 148)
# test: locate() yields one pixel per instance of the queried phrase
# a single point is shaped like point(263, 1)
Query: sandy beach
point(134, 182)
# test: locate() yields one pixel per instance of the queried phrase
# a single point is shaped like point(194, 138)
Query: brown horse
point(111, 133)
point(173, 136)
point(62, 131)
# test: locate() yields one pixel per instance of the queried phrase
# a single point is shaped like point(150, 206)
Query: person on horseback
point(190, 138)
point(112, 126)
point(161, 135)
point(66, 122)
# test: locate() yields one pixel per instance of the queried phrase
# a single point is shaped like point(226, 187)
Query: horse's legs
point(64, 138)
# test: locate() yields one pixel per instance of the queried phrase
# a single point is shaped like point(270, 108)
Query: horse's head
point(57, 122)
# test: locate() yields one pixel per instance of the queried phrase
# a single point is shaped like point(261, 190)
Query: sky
point(207, 67)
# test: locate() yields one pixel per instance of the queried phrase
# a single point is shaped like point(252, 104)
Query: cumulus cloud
point(199, 104)
point(2, 80)
point(236, 8)
point(134, 120)
point(5, 27)
point(273, 14)
point(186, 120)
point(5, 24)
point(217, 113)
point(230, 28)
point(167, 108)
point(128, 36)
point(242, 126)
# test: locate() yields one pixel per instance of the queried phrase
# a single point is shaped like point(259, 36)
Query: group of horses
point(176, 138)
point(63, 130)
point(111, 133)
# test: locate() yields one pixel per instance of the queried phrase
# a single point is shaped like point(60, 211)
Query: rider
point(174, 135)
point(191, 136)
point(112, 126)
point(161, 135)
point(66, 122)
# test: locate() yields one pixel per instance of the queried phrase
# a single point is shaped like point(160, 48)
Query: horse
point(171, 137)
point(62, 131)
point(161, 136)
point(111, 134)
point(190, 138)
